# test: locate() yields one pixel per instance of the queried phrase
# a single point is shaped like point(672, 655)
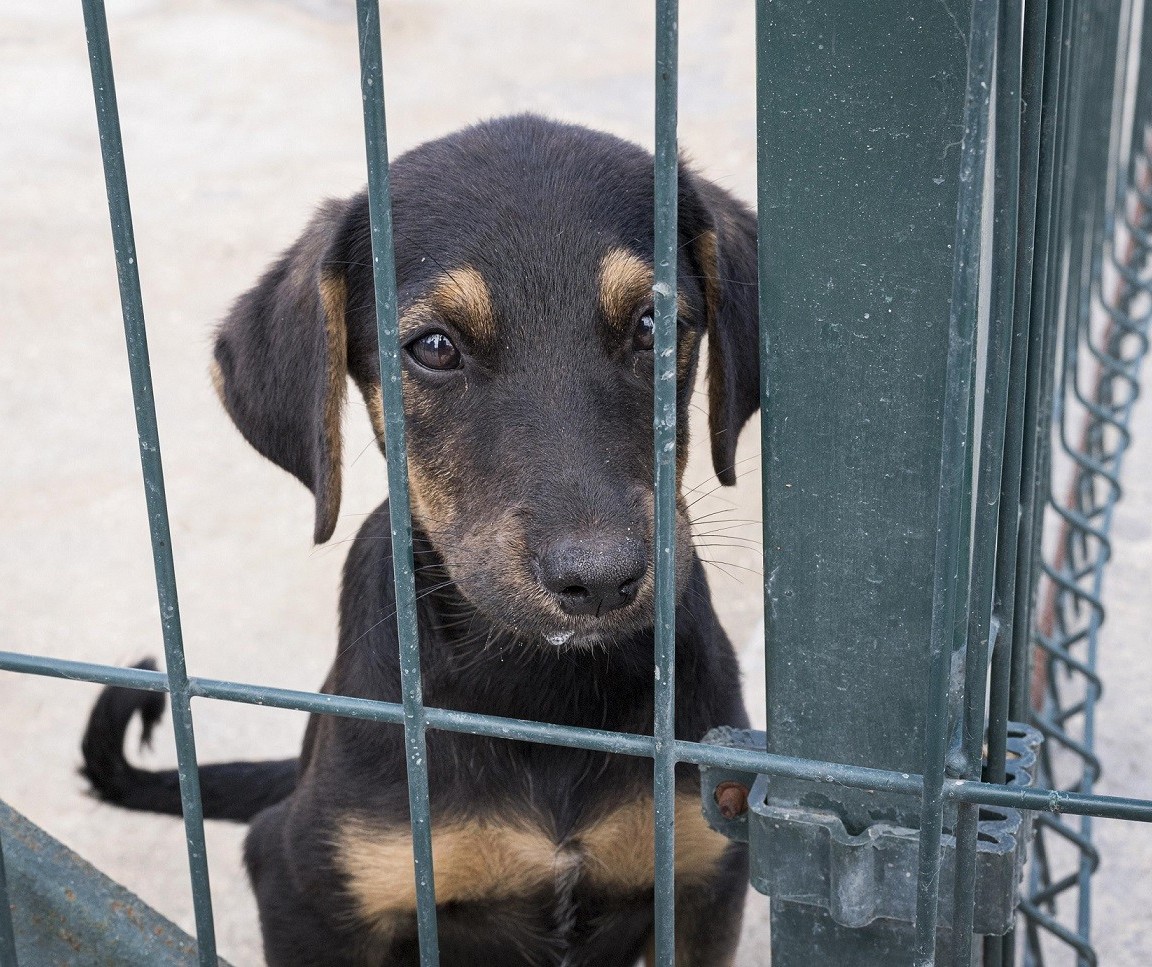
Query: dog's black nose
point(593, 575)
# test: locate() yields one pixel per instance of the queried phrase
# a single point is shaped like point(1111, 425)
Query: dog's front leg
point(303, 924)
point(708, 916)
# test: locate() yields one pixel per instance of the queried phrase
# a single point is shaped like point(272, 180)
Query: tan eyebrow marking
point(625, 282)
point(462, 295)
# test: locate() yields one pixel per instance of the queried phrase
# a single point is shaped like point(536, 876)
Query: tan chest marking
point(473, 860)
point(493, 858)
point(619, 849)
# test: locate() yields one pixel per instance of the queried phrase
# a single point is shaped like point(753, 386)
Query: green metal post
point(862, 127)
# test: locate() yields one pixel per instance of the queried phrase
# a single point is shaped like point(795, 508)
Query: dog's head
point(524, 268)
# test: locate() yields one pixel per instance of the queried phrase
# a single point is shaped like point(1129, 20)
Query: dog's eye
point(434, 350)
point(645, 336)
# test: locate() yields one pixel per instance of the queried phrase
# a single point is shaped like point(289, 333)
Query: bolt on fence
point(953, 206)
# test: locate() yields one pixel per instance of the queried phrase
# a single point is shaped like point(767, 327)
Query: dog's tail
point(229, 790)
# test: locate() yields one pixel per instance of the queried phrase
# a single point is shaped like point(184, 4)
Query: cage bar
point(388, 339)
point(952, 571)
point(664, 294)
point(1105, 342)
point(984, 628)
point(131, 302)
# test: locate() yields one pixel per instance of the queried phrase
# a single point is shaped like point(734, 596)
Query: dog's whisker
point(728, 540)
point(392, 614)
point(730, 523)
point(726, 512)
point(724, 570)
point(730, 564)
point(709, 493)
point(715, 484)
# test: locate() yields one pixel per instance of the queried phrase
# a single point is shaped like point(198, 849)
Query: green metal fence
point(954, 215)
point(1102, 343)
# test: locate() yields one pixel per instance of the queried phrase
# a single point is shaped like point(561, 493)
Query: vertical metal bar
point(1121, 144)
point(7, 934)
point(664, 415)
point(987, 514)
point(1040, 348)
point(1094, 146)
point(765, 297)
point(1042, 355)
point(387, 330)
point(1044, 324)
point(116, 181)
point(950, 575)
point(1073, 611)
point(1031, 92)
point(1013, 638)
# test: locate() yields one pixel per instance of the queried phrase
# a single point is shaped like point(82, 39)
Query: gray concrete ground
point(239, 117)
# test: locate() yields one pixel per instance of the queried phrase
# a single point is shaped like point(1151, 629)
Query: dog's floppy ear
point(723, 245)
point(281, 363)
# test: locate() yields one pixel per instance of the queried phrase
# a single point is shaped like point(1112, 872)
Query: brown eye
point(645, 336)
point(434, 350)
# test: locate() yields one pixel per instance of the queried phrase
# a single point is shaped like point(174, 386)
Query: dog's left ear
point(721, 238)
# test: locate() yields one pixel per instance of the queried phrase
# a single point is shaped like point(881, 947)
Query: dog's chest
point(494, 859)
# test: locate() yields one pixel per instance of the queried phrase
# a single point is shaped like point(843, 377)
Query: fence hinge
point(806, 855)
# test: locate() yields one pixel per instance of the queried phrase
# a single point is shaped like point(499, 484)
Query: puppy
point(524, 267)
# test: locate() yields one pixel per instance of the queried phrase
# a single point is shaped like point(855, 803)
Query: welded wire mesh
point(1103, 352)
point(1097, 317)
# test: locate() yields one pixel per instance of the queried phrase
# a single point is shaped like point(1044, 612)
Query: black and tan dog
point(524, 260)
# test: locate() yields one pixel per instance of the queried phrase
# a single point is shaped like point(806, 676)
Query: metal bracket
point(806, 855)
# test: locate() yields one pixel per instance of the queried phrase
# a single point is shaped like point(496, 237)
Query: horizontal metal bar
point(83, 671)
point(598, 740)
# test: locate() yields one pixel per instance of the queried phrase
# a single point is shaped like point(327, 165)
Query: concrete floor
point(239, 116)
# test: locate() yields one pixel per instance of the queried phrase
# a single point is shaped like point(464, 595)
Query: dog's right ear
point(723, 243)
point(281, 362)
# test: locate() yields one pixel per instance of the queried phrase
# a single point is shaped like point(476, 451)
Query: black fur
point(545, 433)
